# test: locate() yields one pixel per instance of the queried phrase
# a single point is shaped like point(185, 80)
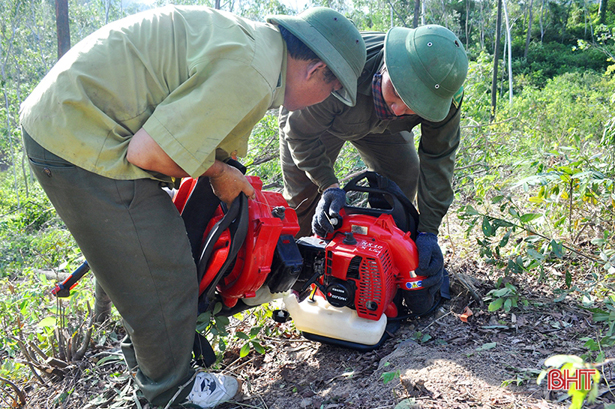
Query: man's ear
point(313, 67)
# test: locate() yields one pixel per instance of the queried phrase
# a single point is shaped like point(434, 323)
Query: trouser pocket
point(44, 163)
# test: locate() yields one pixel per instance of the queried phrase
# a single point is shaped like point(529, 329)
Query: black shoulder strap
point(204, 354)
point(384, 194)
point(200, 208)
point(198, 211)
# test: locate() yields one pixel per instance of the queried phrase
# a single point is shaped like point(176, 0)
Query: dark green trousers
point(136, 244)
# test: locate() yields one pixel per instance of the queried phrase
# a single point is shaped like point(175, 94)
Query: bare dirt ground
point(490, 361)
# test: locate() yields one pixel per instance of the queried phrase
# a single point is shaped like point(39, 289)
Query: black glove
point(330, 204)
point(431, 260)
point(423, 301)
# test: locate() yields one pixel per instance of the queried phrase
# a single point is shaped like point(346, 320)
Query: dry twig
point(19, 400)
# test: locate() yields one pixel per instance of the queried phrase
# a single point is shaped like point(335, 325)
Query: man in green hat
point(412, 77)
point(164, 94)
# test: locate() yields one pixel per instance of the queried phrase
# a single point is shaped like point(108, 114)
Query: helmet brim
point(415, 94)
point(311, 37)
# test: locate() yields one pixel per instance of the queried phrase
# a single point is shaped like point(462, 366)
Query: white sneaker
point(212, 389)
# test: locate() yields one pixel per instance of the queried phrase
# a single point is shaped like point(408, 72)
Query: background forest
point(534, 178)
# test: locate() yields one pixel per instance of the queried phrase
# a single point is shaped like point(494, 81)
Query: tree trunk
point(585, 18)
point(467, 19)
point(217, 5)
point(417, 12)
point(37, 35)
point(565, 28)
point(504, 62)
point(482, 26)
point(496, 58)
point(603, 6)
point(542, 28)
point(5, 77)
point(62, 27)
point(529, 30)
point(107, 9)
point(509, 40)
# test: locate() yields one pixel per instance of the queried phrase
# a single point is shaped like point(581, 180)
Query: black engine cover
point(341, 293)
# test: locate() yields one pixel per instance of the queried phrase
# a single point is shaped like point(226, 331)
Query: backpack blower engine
point(342, 289)
point(350, 288)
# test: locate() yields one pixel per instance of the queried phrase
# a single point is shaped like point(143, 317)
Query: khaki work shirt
point(196, 79)
point(438, 143)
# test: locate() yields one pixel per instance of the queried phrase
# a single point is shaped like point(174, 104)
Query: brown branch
point(61, 344)
point(62, 352)
point(352, 175)
point(74, 341)
point(604, 363)
point(86, 339)
point(37, 350)
point(32, 363)
point(466, 281)
point(21, 397)
point(265, 159)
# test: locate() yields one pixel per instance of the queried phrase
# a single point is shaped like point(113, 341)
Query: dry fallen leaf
point(466, 314)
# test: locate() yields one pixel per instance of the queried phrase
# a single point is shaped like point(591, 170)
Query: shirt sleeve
point(216, 107)
point(437, 150)
point(302, 130)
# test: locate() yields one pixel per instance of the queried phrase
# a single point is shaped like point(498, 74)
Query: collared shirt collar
point(382, 108)
point(278, 93)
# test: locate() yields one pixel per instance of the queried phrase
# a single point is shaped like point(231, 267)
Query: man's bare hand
point(229, 182)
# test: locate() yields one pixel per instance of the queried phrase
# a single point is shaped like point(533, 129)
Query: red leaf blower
point(342, 289)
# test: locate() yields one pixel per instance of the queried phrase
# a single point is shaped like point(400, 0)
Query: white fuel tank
point(321, 318)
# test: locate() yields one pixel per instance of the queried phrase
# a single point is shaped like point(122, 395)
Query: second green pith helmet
point(427, 66)
point(335, 40)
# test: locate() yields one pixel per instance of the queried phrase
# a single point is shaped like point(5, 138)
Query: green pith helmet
point(335, 40)
point(427, 66)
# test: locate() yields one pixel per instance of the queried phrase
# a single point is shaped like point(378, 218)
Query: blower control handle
point(327, 214)
point(335, 220)
point(62, 289)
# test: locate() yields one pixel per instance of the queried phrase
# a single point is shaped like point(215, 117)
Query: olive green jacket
point(438, 143)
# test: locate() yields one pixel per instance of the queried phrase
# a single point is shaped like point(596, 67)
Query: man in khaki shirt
point(166, 93)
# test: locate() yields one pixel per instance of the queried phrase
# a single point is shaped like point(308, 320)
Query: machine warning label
point(358, 229)
point(414, 284)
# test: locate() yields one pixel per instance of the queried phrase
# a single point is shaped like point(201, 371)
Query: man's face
point(309, 90)
point(392, 98)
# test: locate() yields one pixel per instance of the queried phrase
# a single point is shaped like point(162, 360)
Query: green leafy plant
point(505, 298)
point(605, 336)
point(559, 207)
point(420, 337)
point(263, 151)
point(389, 376)
point(220, 330)
point(42, 334)
point(251, 341)
point(213, 327)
